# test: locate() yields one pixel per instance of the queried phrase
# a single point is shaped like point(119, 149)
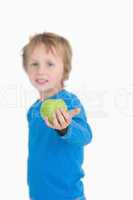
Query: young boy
point(56, 150)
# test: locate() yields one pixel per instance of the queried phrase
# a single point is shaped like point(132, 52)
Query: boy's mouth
point(41, 81)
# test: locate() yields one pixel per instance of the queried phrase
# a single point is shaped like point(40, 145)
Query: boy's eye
point(50, 64)
point(34, 64)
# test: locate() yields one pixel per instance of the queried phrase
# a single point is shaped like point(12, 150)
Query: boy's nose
point(42, 70)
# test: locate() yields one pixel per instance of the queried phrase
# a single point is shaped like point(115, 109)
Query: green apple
point(49, 107)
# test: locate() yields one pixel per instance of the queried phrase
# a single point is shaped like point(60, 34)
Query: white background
point(101, 34)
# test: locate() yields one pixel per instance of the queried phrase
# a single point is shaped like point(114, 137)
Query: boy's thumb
point(74, 112)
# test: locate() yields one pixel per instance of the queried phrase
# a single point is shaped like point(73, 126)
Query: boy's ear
point(65, 76)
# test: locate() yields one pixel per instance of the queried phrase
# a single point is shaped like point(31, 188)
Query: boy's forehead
point(49, 50)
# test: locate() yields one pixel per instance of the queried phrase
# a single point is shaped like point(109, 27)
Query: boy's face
point(45, 70)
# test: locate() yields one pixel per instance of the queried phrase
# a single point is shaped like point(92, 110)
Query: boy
point(55, 150)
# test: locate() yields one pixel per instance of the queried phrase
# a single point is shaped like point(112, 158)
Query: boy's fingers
point(66, 115)
point(74, 112)
point(65, 119)
point(55, 121)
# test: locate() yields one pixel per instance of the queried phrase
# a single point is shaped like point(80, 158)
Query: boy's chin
point(46, 89)
point(42, 89)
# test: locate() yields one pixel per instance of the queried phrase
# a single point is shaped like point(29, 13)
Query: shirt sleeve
point(79, 131)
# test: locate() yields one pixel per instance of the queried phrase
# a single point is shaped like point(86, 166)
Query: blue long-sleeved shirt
point(55, 161)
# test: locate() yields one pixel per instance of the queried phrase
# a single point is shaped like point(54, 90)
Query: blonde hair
point(50, 40)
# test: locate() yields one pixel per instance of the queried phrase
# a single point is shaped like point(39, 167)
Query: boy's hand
point(62, 118)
